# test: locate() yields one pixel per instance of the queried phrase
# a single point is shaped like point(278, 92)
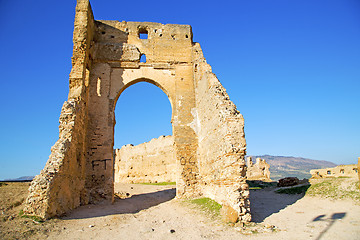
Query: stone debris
point(255, 228)
point(288, 181)
point(122, 195)
point(228, 214)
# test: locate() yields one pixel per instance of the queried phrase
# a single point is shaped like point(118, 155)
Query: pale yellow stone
point(208, 131)
point(350, 170)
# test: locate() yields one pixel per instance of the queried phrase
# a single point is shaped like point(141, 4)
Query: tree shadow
point(265, 202)
point(131, 205)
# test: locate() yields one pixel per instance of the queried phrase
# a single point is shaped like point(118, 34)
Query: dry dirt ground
point(152, 212)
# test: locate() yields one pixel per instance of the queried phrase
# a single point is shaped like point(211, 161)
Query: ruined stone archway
point(208, 131)
point(139, 105)
point(153, 159)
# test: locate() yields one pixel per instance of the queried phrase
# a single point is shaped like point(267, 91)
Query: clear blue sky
point(291, 67)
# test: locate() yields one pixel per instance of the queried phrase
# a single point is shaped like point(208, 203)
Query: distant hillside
point(281, 166)
point(20, 179)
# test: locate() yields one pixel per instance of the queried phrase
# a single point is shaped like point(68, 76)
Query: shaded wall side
point(222, 145)
point(99, 173)
point(153, 161)
point(59, 186)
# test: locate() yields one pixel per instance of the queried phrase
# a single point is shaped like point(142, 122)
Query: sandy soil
point(152, 212)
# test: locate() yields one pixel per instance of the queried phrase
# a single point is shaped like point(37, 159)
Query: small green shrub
point(32, 217)
point(207, 205)
point(2, 184)
point(293, 190)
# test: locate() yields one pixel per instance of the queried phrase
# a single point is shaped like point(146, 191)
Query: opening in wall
point(143, 115)
point(143, 58)
point(143, 33)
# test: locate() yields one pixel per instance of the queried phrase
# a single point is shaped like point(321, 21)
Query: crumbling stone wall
point(350, 170)
point(260, 170)
point(153, 161)
point(222, 147)
point(61, 184)
point(208, 130)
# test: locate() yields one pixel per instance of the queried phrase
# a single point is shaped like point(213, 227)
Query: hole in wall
point(143, 36)
point(143, 33)
point(103, 32)
point(186, 36)
point(143, 58)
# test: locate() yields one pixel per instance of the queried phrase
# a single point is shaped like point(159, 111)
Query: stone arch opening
point(151, 160)
point(130, 83)
point(129, 105)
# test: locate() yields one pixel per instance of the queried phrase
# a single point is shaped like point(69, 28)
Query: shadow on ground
point(133, 204)
point(330, 220)
point(265, 202)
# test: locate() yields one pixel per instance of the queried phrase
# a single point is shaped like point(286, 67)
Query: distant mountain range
point(281, 166)
point(20, 179)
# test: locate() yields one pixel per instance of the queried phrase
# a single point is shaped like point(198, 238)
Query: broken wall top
point(168, 43)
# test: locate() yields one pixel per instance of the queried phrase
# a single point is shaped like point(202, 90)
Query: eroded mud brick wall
point(61, 184)
point(153, 161)
point(222, 145)
point(209, 142)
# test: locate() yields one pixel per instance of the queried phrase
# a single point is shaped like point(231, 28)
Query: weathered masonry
point(208, 131)
point(260, 170)
point(153, 161)
point(350, 170)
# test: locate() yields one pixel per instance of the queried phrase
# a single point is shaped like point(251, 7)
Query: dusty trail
point(153, 213)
